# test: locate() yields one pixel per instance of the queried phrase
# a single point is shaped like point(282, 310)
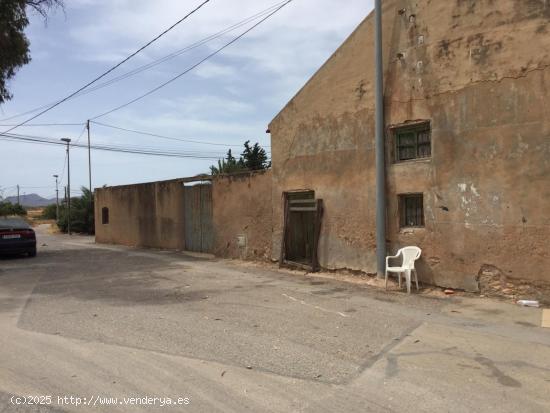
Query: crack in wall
point(523, 75)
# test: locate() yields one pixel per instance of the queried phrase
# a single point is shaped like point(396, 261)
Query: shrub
point(7, 208)
point(50, 212)
point(82, 214)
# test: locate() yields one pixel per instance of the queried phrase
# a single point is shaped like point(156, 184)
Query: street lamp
point(68, 141)
point(56, 198)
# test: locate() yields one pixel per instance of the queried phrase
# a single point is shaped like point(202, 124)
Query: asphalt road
point(102, 322)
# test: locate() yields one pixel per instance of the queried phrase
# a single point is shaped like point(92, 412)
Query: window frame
point(417, 130)
point(403, 211)
point(105, 216)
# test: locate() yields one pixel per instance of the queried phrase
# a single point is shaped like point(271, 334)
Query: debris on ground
point(448, 291)
point(529, 303)
point(493, 283)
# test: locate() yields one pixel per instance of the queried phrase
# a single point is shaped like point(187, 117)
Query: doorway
point(302, 227)
point(199, 233)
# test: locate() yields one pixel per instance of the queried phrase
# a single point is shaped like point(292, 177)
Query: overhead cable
point(111, 69)
point(211, 55)
point(157, 61)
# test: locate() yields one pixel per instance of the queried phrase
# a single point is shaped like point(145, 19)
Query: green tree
point(228, 165)
point(82, 214)
point(7, 208)
point(14, 44)
point(50, 212)
point(255, 157)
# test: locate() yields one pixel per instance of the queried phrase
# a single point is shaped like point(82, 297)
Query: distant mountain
point(31, 200)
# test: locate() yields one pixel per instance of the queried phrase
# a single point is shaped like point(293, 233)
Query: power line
point(62, 175)
point(211, 55)
point(81, 133)
point(111, 69)
point(157, 61)
point(45, 124)
point(188, 48)
point(162, 136)
point(49, 141)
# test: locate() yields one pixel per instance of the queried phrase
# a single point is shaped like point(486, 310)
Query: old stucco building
point(467, 109)
point(467, 113)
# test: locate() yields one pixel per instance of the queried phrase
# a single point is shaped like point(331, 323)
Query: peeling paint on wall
point(486, 189)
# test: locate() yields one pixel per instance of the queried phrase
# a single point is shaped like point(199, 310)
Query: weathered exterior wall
point(143, 215)
point(480, 73)
point(153, 215)
point(243, 207)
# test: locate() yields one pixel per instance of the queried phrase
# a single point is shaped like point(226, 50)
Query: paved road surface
point(103, 322)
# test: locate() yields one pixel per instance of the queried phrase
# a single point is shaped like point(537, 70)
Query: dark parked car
point(16, 237)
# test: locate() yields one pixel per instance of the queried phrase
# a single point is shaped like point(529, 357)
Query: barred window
point(411, 210)
point(413, 142)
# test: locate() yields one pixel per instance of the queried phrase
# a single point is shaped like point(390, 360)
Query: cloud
point(211, 70)
point(303, 29)
point(229, 99)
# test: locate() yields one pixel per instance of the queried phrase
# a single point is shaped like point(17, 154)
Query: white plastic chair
point(410, 255)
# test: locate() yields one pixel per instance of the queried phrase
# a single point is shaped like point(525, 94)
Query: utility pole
point(56, 198)
point(380, 146)
point(68, 141)
point(89, 163)
point(18, 200)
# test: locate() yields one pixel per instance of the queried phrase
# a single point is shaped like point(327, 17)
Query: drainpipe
point(380, 146)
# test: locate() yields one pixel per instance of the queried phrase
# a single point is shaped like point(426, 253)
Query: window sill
point(412, 161)
point(411, 230)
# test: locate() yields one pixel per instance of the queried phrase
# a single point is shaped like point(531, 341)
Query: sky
point(223, 102)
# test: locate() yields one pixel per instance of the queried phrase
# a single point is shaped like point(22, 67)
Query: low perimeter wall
point(243, 215)
point(153, 215)
point(142, 215)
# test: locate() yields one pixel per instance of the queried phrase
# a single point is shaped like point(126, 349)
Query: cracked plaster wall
point(478, 70)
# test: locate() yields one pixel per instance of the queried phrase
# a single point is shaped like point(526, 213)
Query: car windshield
point(12, 223)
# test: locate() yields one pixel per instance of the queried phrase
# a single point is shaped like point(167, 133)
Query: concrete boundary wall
point(243, 215)
point(153, 215)
point(142, 215)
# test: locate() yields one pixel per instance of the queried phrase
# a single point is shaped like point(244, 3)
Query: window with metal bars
point(411, 210)
point(413, 142)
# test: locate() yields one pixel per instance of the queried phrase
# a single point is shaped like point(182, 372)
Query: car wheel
point(32, 253)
